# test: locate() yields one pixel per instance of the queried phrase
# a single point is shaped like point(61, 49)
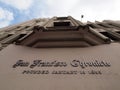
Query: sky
point(17, 11)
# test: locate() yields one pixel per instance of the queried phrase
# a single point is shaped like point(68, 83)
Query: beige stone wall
point(107, 77)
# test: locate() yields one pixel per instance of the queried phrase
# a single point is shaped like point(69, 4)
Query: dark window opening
point(118, 32)
point(92, 26)
point(62, 18)
point(18, 26)
point(27, 26)
point(109, 35)
point(21, 36)
point(9, 35)
point(61, 23)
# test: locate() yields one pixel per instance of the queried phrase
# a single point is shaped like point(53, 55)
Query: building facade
point(83, 34)
point(60, 53)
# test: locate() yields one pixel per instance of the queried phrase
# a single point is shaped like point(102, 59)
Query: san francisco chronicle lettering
point(45, 67)
point(73, 63)
point(85, 64)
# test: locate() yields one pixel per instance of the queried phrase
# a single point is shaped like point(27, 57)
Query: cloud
point(59, 7)
point(19, 4)
point(91, 9)
point(5, 17)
